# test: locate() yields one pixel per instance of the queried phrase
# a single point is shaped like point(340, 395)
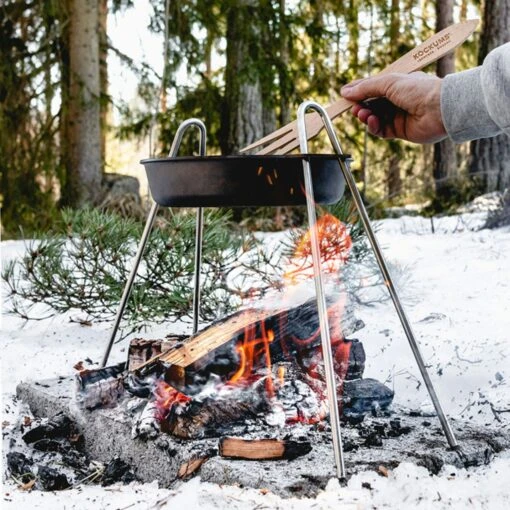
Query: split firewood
point(189, 467)
point(262, 449)
point(142, 350)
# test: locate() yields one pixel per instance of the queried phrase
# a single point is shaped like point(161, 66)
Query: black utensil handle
point(382, 108)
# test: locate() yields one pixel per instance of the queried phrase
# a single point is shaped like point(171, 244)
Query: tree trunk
point(243, 119)
point(285, 83)
point(394, 180)
point(352, 20)
point(490, 157)
point(445, 158)
point(81, 110)
point(103, 74)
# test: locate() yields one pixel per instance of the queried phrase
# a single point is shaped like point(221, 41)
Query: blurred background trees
point(248, 64)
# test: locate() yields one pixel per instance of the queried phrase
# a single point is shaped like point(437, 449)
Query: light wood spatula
point(285, 139)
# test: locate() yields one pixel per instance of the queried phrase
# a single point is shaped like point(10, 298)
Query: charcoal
point(75, 460)
point(51, 445)
point(295, 449)
point(49, 479)
point(361, 395)
point(373, 439)
point(357, 360)
point(58, 426)
point(117, 471)
point(20, 465)
point(138, 386)
point(349, 445)
point(396, 428)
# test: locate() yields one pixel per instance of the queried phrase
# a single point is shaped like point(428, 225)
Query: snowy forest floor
point(457, 297)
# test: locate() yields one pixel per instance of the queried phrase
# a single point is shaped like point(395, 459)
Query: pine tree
point(445, 158)
point(490, 157)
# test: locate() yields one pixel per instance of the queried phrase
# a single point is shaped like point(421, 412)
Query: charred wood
point(49, 479)
point(60, 426)
point(19, 465)
point(146, 426)
point(289, 334)
point(142, 350)
point(101, 387)
point(117, 471)
point(207, 415)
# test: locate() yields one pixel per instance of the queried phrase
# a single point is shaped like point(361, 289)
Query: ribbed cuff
point(463, 107)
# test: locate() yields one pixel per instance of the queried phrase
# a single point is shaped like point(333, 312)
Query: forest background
point(247, 65)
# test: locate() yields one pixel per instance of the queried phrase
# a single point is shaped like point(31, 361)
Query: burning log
point(206, 414)
point(262, 449)
point(248, 342)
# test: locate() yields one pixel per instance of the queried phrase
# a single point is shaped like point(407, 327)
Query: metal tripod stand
point(319, 284)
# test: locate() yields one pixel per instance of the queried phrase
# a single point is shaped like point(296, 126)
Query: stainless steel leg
point(130, 280)
point(147, 230)
point(198, 244)
point(321, 299)
point(198, 267)
point(452, 441)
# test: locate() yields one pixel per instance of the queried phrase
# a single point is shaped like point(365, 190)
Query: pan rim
point(247, 157)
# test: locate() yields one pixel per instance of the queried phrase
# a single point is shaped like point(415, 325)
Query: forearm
point(476, 103)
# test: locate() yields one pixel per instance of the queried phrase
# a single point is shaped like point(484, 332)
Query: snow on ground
point(457, 299)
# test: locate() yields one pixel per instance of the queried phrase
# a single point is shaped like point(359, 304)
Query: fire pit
point(243, 353)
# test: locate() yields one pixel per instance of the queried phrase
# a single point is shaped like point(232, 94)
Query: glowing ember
point(166, 398)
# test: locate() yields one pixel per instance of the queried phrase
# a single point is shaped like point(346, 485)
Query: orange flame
point(281, 375)
point(252, 350)
point(334, 242)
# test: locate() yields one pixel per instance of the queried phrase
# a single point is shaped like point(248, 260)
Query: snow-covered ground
point(457, 297)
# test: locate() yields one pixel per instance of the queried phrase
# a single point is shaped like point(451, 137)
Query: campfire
point(261, 365)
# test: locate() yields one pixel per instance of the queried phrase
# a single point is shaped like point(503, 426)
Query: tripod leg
point(198, 267)
point(327, 353)
point(445, 424)
point(199, 234)
point(183, 127)
point(131, 279)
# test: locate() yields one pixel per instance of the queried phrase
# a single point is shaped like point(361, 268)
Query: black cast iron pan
point(231, 181)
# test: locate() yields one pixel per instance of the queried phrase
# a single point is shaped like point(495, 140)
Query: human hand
point(416, 101)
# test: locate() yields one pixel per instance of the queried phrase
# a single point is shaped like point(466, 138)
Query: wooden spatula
point(284, 140)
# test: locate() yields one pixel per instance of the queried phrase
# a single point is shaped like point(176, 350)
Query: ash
point(384, 438)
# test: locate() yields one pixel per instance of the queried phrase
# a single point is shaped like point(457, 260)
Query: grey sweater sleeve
point(476, 103)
